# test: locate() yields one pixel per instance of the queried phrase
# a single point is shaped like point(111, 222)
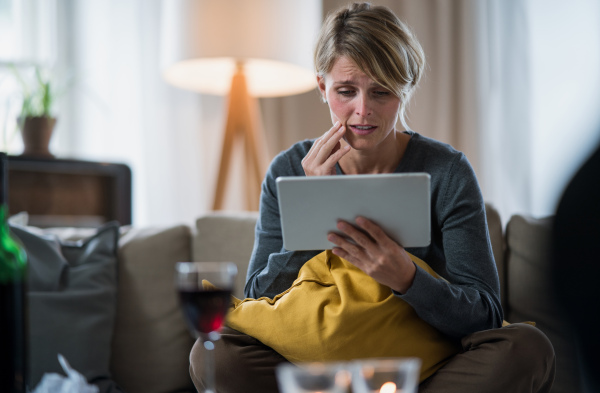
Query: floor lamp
point(244, 50)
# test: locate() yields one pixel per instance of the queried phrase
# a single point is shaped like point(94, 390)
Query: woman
point(368, 64)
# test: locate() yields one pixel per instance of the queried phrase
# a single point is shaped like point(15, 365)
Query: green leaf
point(38, 99)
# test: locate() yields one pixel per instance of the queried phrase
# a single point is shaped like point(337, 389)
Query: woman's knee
point(528, 344)
point(240, 361)
point(519, 353)
point(530, 354)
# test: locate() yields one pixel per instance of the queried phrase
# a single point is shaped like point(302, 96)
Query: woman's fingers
point(326, 144)
point(374, 231)
point(337, 154)
point(345, 249)
point(356, 235)
point(369, 248)
point(330, 140)
point(323, 139)
point(353, 245)
point(325, 152)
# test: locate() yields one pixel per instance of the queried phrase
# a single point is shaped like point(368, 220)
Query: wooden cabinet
point(60, 192)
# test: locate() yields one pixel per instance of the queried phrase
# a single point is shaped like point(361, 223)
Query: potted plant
point(36, 119)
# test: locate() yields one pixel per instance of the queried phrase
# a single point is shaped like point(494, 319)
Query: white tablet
point(311, 206)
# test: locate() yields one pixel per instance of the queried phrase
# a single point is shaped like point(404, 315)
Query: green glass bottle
point(13, 305)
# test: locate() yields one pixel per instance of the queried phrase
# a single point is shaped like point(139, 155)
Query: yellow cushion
point(335, 312)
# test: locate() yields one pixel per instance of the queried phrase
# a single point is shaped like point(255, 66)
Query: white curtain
point(503, 93)
point(120, 110)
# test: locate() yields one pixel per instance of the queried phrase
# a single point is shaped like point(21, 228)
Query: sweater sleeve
point(469, 300)
point(272, 268)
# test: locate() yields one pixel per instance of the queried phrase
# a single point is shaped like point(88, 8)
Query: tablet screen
point(311, 206)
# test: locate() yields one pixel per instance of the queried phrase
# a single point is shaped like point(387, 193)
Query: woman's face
point(367, 110)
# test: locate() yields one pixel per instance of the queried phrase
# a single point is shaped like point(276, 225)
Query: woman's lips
point(362, 129)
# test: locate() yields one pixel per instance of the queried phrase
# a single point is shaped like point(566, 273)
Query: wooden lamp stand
point(242, 122)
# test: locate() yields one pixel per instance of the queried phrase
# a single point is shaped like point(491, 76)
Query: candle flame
point(388, 387)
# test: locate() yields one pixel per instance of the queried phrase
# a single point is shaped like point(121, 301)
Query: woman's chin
point(359, 143)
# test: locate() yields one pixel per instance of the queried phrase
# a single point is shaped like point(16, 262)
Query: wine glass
point(313, 378)
point(205, 296)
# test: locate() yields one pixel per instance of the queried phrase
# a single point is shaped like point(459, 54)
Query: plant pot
point(36, 132)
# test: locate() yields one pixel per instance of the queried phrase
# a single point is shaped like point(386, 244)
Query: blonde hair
point(379, 43)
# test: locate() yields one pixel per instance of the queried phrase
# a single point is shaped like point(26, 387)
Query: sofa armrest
point(226, 237)
point(531, 296)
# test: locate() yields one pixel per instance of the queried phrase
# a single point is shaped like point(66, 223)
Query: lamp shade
point(273, 39)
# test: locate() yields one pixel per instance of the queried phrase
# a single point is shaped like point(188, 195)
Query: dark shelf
point(66, 192)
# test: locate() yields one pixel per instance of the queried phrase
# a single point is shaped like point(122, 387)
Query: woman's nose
point(363, 107)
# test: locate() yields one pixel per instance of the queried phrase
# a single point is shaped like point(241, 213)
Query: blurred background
point(514, 84)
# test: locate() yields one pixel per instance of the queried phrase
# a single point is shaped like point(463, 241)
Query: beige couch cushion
point(226, 237)
point(151, 344)
point(531, 297)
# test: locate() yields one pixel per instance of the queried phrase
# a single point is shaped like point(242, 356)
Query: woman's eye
point(345, 92)
point(381, 93)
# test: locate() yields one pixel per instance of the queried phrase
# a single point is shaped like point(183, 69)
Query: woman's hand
point(375, 253)
point(325, 152)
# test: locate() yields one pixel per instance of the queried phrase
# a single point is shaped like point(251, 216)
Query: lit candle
point(388, 387)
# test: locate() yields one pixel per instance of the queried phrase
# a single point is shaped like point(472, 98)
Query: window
point(28, 39)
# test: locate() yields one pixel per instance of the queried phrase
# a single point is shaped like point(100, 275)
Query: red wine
point(205, 311)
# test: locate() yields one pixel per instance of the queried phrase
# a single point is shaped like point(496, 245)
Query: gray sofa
point(150, 342)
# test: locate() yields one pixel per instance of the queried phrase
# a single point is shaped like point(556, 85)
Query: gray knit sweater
point(460, 250)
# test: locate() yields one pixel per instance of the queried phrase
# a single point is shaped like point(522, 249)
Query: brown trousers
point(518, 358)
